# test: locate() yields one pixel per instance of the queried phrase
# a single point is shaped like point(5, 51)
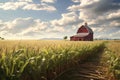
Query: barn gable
point(82, 29)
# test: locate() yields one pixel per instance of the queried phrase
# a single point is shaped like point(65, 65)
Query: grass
point(42, 60)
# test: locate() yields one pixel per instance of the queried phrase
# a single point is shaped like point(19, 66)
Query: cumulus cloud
point(76, 1)
point(114, 16)
point(25, 0)
point(28, 27)
point(94, 8)
point(55, 29)
point(101, 15)
point(23, 25)
point(12, 5)
point(39, 7)
point(97, 6)
point(70, 18)
point(26, 5)
point(48, 1)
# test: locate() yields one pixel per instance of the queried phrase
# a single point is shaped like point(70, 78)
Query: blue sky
point(36, 19)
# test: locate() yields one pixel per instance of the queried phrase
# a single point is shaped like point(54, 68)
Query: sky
point(37, 19)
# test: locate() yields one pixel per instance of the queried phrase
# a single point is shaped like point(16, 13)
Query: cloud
point(55, 29)
point(26, 5)
point(69, 18)
point(23, 25)
point(39, 7)
point(25, 0)
point(48, 1)
point(114, 16)
point(37, 27)
point(29, 27)
point(12, 5)
point(101, 15)
point(97, 6)
point(116, 34)
point(76, 1)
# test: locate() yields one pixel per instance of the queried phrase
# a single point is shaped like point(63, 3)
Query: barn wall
point(74, 39)
point(89, 37)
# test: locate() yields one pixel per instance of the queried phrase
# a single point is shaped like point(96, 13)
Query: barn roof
point(81, 35)
point(89, 29)
point(86, 26)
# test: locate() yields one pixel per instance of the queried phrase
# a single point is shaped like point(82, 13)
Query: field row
point(42, 60)
point(112, 53)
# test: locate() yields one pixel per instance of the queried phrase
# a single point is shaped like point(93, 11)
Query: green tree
point(65, 37)
point(2, 38)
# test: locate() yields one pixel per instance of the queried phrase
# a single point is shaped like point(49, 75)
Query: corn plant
point(42, 60)
point(113, 51)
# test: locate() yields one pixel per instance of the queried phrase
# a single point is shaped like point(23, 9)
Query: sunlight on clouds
point(101, 15)
point(39, 7)
point(12, 5)
point(114, 14)
point(25, 0)
point(88, 2)
point(26, 5)
point(48, 1)
point(55, 29)
point(67, 19)
point(27, 27)
point(76, 1)
point(74, 8)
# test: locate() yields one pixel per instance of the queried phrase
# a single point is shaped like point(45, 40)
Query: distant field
point(44, 60)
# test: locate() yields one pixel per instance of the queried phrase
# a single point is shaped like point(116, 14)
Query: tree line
point(1, 38)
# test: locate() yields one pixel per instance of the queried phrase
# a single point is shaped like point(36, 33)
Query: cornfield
point(113, 53)
point(42, 60)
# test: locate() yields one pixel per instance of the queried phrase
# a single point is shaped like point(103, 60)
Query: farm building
point(84, 33)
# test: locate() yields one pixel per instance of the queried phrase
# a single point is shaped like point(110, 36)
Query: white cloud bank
point(48, 1)
point(70, 18)
point(25, 0)
point(26, 5)
point(28, 28)
point(102, 15)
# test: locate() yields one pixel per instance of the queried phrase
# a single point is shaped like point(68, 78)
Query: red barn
point(84, 33)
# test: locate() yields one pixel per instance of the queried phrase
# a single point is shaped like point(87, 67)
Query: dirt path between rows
point(94, 68)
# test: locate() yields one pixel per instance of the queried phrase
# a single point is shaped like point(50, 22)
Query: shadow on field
point(89, 69)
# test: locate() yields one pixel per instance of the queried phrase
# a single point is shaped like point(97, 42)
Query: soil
point(94, 68)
